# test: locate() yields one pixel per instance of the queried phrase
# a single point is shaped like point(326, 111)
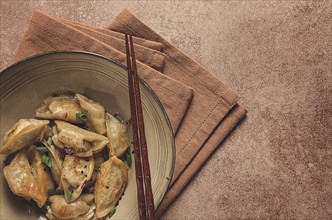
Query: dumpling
point(110, 184)
point(55, 156)
point(41, 174)
point(95, 113)
point(55, 170)
point(60, 107)
point(79, 209)
point(75, 173)
point(27, 176)
point(78, 141)
point(117, 135)
point(23, 134)
point(98, 160)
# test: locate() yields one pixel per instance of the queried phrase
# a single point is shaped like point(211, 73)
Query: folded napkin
point(202, 109)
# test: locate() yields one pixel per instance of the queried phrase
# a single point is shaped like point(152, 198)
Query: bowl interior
point(26, 84)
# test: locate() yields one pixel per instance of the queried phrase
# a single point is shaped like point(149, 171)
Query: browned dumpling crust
point(111, 182)
point(23, 134)
point(79, 141)
point(98, 160)
point(61, 108)
point(56, 162)
point(95, 114)
point(75, 173)
point(27, 176)
point(78, 209)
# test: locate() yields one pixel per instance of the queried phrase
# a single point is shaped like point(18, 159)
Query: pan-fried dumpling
point(23, 134)
point(41, 174)
point(55, 170)
point(95, 113)
point(55, 156)
point(78, 141)
point(75, 173)
point(98, 160)
point(60, 107)
point(110, 184)
point(27, 176)
point(79, 209)
point(117, 136)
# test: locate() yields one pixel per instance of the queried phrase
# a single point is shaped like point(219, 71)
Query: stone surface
point(277, 55)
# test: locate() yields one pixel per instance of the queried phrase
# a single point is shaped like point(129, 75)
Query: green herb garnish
point(52, 192)
point(81, 116)
point(47, 161)
point(128, 121)
point(49, 141)
point(42, 149)
point(112, 212)
point(117, 116)
point(70, 194)
point(128, 158)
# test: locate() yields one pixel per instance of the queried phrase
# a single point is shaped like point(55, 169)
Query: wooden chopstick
point(137, 151)
point(144, 194)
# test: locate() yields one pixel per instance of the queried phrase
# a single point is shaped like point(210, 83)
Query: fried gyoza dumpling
point(78, 141)
point(95, 113)
point(99, 159)
point(60, 107)
point(40, 173)
point(27, 176)
point(55, 170)
point(79, 209)
point(23, 134)
point(117, 136)
point(75, 173)
point(55, 156)
point(110, 184)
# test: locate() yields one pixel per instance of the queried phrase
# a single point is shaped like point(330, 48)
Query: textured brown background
point(277, 55)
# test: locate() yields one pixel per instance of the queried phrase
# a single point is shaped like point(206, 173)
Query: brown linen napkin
point(210, 104)
point(143, 42)
point(148, 56)
point(50, 34)
point(205, 124)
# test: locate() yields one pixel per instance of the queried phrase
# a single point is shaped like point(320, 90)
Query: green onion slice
point(70, 194)
point(42, 149)
point(81, 116)
point(112, 212)
point(47, 161)
point(117, 116)
point(52, 192)
point(49, 141)
point(128, 121)
point(128, 158)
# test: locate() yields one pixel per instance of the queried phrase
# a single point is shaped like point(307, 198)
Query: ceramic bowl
point(24, 85)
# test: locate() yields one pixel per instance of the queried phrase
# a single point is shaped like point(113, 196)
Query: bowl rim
point(156, 98)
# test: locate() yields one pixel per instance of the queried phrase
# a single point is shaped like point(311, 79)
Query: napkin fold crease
point(150, 57)
point(201, 108)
